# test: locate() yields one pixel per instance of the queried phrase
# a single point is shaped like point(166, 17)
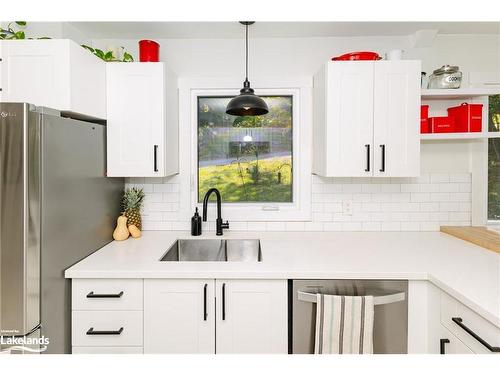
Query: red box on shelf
point(424, 119)
point(444, 124)
point(468, 117)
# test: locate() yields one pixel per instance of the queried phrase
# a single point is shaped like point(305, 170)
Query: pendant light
point(247, 103)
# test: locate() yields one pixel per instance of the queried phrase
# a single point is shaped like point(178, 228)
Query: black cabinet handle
point(367, 169)
point(92, 332)
point(442, 343)
point(459, 321)
point(155, 158)
point(93, 295)
point(224, 301)
point(205, 314)
point(383, 158)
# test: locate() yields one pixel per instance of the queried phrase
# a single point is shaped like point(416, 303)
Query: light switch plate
point(347, 207)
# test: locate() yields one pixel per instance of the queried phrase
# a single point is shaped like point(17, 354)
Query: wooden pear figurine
point(121, 232)
point(134, 231)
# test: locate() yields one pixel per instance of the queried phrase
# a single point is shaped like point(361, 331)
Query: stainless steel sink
point(214, 251)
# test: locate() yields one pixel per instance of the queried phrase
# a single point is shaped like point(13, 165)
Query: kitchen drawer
point(110, 328)
point(452, 345)
point(107, 350)
point(451, 308)
point(107, 294)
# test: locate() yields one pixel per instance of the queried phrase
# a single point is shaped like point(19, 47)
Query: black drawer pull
point(92, 332)
point(205, 313)
point(93, 295)
point(224, 301)
point(367, 169)
point(155, 155)
point(459, 321)
point(383, 158)
point(442, 342)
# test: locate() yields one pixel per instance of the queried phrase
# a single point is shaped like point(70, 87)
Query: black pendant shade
point(247, 103)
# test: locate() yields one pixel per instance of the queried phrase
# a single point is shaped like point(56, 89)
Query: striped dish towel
point(344, 324)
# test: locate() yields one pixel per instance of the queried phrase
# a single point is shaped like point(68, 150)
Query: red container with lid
point(149, 51)
point(468, 117)
point(424, 119)
point(445, 124)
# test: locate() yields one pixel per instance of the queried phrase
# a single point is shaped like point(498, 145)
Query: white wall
point(441, 195)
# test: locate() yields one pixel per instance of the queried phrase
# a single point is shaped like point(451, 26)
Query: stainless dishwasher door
point(390, 330)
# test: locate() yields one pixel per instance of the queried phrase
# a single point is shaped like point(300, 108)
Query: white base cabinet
point(433, 324)
point(55, 73)
point(179, 316)
point(251, 316)
point(142, 126)
point(367, 119)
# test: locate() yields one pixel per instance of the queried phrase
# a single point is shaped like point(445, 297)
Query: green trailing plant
point(15, 31)
point(108, 55)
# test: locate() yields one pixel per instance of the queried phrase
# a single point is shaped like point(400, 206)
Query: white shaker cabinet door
point(251, 316)
point(397, 118)
point(137, 120)
point(343, 119)
point(179, 316)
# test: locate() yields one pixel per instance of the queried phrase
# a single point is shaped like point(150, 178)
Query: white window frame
point(301, 92)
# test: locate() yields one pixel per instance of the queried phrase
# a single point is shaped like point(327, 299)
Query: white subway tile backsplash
point(390, 226)
point(378, 204)
point(351, 227)
point(460, 177)
point(276, 226)
point(440, 177)
point(420, 197)
point(410, 188)
point(371, 227)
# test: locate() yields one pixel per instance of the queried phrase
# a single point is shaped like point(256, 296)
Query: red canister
point(468, 117)
point(149, 51)
point(424, 119)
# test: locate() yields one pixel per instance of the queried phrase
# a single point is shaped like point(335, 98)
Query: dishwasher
point(390, 328)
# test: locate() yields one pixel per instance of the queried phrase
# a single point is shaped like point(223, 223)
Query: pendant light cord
point(246, 52)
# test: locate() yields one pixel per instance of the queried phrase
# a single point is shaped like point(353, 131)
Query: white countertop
point(468, 272)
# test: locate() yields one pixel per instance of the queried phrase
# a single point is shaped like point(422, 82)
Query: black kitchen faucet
point(219, 224)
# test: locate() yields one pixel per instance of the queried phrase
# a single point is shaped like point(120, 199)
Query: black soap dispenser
point(196, 224)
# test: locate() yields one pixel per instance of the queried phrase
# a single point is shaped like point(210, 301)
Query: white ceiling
point(206, 30)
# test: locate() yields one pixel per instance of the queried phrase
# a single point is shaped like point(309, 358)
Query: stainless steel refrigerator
point(56, 207)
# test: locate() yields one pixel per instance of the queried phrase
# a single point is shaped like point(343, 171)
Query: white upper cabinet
point(366, 119)
point(55, 73)
point(142, 126)
point(343, 121)
point(396, 118)
point(251, 316)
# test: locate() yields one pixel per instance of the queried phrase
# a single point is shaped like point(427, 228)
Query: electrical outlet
point(347, 207)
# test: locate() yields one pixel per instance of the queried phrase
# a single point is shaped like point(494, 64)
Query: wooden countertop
point(481, 236)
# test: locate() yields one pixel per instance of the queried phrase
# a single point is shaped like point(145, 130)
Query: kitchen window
point(261, 164)
point(248, 159)
point(494, 159)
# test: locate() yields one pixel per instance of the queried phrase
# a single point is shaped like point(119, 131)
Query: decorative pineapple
point(131, 205)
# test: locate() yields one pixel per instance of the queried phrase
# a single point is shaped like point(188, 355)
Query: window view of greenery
point(494, 159)
point(249, 159)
